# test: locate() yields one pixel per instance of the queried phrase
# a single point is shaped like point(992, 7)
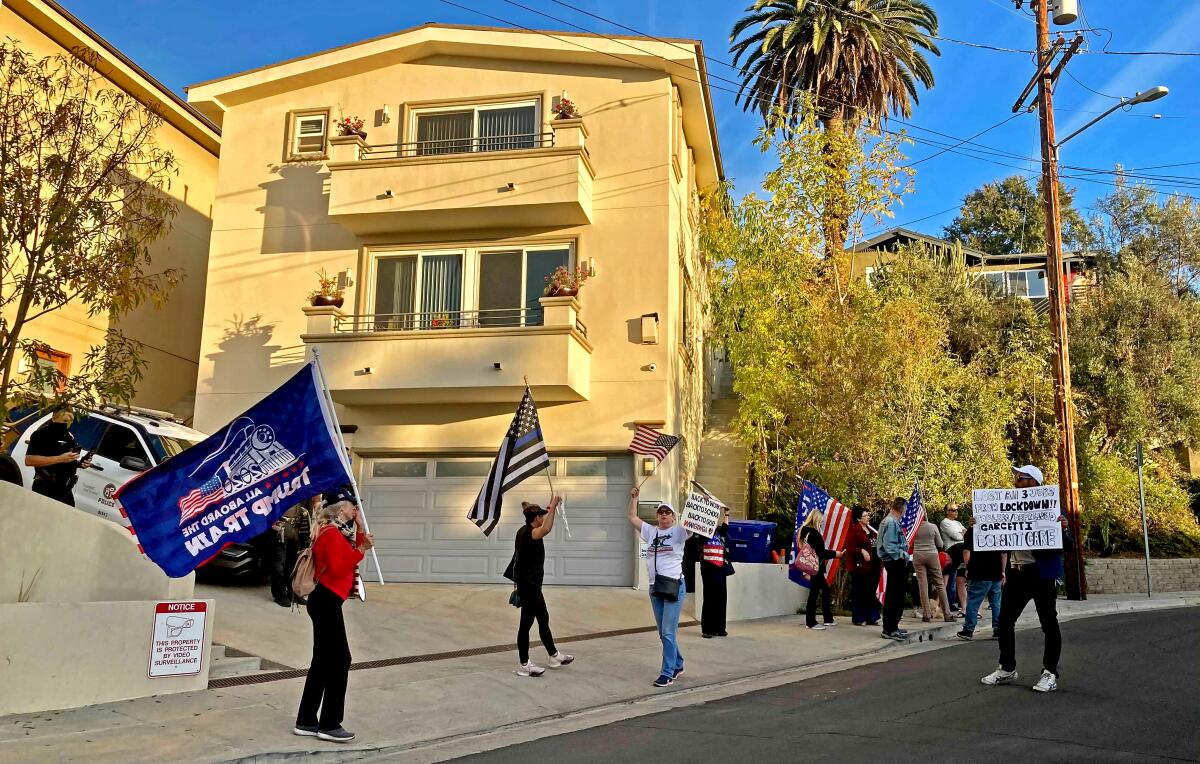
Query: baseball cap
point(339, 494)
point(1030, 471)
point(532, 510)
point(664, 506)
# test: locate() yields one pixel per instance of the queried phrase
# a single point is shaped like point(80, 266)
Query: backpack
point(807, 561)
point(304, 574)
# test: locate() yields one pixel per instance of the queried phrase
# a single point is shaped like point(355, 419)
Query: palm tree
point(851, 61)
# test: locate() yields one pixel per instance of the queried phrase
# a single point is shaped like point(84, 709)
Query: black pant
point(533, 607)
point(54, 490)
point(275, 554)
point(893, 597)
point(1021, 586)
point(325, 687)
point(818, 587)
point(712, 614)
point(864, 604)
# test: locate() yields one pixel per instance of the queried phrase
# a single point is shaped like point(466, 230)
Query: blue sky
point(180, 44)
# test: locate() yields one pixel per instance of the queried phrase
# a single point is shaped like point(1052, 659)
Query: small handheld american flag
point(651, 442)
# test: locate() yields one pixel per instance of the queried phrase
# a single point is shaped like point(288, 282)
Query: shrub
point(1112, 520)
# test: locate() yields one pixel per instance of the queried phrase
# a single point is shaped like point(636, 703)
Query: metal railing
point(439, 320)
point(442, 146)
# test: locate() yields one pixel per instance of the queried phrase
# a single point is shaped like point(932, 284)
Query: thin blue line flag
point(237, 483)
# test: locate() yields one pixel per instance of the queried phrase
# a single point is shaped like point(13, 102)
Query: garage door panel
point(400, 564)
point(467, 564)
point(390, 532)
point(595, 565)
point(386, 500)
point(461, 530)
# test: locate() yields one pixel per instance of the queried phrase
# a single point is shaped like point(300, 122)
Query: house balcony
point(478, 356)
point(510, 181)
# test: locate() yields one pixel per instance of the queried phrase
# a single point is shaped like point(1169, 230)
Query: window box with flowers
point(565, 109)
point(565, 282)
point(327, 293)
point(351, 126)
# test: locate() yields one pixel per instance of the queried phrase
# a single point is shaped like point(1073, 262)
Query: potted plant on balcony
point(440, 321)
point(327, 292)
point(351, 126)
point(565, 282)
point(565, 109)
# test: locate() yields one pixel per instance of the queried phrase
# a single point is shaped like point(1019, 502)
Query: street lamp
point(1153, 94)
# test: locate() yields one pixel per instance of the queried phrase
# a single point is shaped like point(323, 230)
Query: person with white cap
point(664, 563)
point(1032, 575)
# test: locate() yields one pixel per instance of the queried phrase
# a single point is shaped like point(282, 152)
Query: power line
point(1090, 90)
point(1004, 121)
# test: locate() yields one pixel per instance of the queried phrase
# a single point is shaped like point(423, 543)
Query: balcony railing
point(458, 146)
point(440, 320)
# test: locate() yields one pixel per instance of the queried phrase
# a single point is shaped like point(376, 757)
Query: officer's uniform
point(57, 480)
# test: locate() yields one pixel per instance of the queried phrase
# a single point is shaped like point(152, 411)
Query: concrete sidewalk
point(434, 710)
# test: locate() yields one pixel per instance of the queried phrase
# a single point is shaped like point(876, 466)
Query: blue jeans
point(666, 615)
point(950, 574)
point(976, 592)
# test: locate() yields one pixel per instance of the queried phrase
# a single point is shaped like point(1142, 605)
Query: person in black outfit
point(54, 456)
point(714, 568)
point(526, 571)
point(818, 586)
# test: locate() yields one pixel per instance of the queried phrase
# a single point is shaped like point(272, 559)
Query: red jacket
point(857, 540)
point(334, 560)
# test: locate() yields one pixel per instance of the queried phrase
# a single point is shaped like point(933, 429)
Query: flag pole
point(337, 428)
point(562, 511)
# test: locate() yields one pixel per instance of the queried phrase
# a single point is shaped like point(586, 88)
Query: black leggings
point(533, 607)
point(818, 587)
point(325, 687)
point(716, 595)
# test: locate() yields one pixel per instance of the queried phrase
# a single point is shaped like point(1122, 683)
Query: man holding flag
point(893, 552)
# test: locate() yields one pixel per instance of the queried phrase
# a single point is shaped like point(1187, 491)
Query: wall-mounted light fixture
point(498, 366)
point(388, 193)
point(387, 114)
point(591, 271)
point(345, 279)
point(647, 465)
point(650, 329)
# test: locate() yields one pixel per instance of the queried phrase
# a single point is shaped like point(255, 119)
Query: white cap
point(1030, 471)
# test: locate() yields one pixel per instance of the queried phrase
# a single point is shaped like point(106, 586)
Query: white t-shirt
point(669, 545)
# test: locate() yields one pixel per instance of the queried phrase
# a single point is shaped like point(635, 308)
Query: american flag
point(910, 521)
point(651, 442)
point(199, 498)
point(835, 520)
point(521, 454)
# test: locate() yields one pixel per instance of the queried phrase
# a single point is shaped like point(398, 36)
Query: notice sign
point(1017, 518)
point(701, 513)
point(177, 647)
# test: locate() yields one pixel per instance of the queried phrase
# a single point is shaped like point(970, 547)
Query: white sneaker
point(529, 668)
point(1048, 682)
point(560, 659)
point(830, 624)
point(1000, 676)
point(818, 627)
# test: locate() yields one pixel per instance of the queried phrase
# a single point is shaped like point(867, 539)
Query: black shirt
point(528, 566)
point(53, 439)
point(983, 566)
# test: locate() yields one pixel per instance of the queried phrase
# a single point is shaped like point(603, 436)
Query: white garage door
point(417, 510)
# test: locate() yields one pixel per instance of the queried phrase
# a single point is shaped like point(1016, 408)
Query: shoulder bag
point(514, 598)
point(304, 573)
point(663, 587)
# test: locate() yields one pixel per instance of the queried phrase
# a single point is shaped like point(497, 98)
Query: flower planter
point(562, 292)
point(325, 301)
point(360, 133)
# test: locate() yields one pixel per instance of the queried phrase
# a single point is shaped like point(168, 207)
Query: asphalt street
point(1129, 691)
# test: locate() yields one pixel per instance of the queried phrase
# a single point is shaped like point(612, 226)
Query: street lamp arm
point(1123, 102)
point(1153, 94)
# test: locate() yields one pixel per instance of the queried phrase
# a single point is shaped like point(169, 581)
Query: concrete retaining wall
point(1128, 576)
point(756, 591)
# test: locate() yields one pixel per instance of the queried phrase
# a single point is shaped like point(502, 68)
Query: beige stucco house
point(442, 224)
point(170, 335)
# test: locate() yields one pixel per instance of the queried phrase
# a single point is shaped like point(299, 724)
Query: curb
point(936, 638)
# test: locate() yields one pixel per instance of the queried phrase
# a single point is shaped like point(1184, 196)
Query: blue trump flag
point(238, 482)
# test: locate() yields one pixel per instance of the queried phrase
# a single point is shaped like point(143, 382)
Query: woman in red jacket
point(864, 569)
point(334, 561)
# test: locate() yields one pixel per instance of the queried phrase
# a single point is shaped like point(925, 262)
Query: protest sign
point(1017, 518)
point(177, 644)
point(701, 512)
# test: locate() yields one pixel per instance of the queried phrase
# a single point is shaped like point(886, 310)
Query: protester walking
point(664, 563)
point(1032, 575)
point(54, 456)
point(526, 570)
point(715, 567)
point(863, 566)
point(926, 545)
point(952, 540)
point(818, 584)
point(892, 549)
point(334, 560)
point(985, 579)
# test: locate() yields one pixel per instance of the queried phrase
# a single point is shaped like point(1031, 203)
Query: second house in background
point(467, 184)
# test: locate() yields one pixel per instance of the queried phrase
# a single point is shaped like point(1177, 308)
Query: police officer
point(54, 456)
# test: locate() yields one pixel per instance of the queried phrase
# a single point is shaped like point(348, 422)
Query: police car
point(123, 442)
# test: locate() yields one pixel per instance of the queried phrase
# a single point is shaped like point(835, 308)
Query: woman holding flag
point(818, 584)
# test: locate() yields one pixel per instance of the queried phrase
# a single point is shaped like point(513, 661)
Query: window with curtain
point(441, 291)
point(482, 128)
point(418, 292)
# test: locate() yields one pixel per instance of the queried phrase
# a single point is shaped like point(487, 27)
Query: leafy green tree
point(81, 201)
point(845, 61)
point(1136, 225)
point(1006, 217)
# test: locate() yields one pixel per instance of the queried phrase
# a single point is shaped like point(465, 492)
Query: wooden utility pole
point(1064, 414)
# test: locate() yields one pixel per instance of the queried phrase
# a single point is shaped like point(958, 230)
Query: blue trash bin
point(750, 540)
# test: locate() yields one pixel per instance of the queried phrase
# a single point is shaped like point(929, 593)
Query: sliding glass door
point(419, 291)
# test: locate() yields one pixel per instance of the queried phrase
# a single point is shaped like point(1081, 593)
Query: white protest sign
point(701, 512)
point(1017, 518)
point(177, 644)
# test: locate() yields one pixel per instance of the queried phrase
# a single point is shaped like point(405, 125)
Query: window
point(164, 447)
point(603, 466)
point(1025, 284)
point(119, 442)
point(496, 127)
point(512, 282)
point(308, 131)
point(418, 291)
point(88, 432)
point(399, 469)
point(994, 282)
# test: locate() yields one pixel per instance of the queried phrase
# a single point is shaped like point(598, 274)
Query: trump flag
point(238, 482)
